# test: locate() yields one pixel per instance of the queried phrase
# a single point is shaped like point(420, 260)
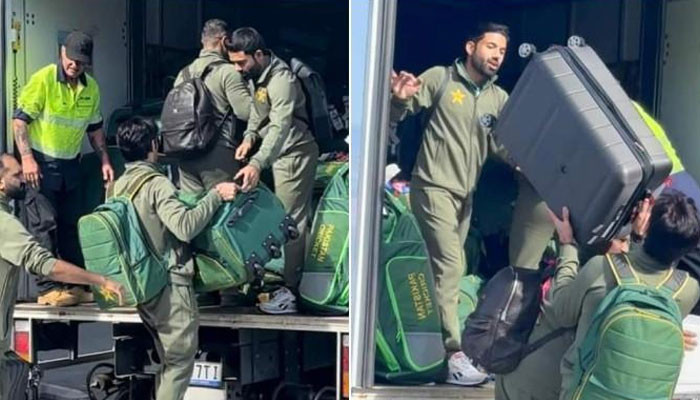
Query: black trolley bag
point(601, 158)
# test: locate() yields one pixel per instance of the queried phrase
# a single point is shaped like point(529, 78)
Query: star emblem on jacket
point(457, 96)
point(261, 95)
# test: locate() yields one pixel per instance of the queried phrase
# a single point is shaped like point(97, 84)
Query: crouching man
point(172, 317)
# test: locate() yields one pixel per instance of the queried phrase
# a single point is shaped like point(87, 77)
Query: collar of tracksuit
point(642, 262)
point(473, 87)
point(146, 164)
point(267, 71)
point(213, 54)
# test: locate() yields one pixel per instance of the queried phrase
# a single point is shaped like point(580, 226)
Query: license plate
point(206, 374)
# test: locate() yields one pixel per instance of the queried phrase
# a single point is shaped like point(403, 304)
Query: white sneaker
point(282, 301)
point(460, 371)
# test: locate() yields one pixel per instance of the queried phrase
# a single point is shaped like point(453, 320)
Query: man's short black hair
point(214, 30)
point(134, 138)
point(247, 40)
point(674, 227)
point(488, 27)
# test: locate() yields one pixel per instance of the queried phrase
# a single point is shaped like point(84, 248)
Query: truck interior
point(647, 45)
point(140, 46)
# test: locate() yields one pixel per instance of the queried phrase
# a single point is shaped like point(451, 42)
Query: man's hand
point(113, 287)
point(227, 190)
point(250, 175)
point(641, 220)
point(689, 341)
point(404, 85)
point(31, 171)
point(107, 172)
point(563, 226)
point(243, 149)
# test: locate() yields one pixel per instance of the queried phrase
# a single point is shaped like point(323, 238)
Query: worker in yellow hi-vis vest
point(58, 105)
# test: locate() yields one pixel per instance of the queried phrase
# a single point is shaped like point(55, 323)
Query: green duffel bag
point(393, 212)
point(325, 283)
point(241, 239)
point(325, 171)
point(409, 339)
point(115, 245)
point(469, 287)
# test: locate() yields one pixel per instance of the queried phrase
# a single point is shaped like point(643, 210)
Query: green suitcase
point(242, 238)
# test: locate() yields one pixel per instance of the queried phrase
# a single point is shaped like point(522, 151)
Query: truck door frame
point(369, 145)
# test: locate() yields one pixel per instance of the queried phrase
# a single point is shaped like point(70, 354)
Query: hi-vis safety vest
point(660, 135)
point(60, 114)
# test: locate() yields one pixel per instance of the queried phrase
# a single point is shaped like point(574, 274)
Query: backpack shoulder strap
point(674, 283)
point(133, 187)
point(622, 270)
point(210, 67)
point(438, 96)
point(186, 75)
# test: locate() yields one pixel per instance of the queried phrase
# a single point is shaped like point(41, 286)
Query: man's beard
point(17, 192)
point(254, 73)
point(481, 65)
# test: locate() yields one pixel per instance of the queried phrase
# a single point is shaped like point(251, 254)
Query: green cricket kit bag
point(324, 286)
point(241, 239)
point(409, 339)
point(115, 245)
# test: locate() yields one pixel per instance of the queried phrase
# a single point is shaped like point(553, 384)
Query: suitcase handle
point(241, 210)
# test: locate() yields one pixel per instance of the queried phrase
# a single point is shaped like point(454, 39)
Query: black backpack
point(189, 121)
point(497, 332)
point(316, 101)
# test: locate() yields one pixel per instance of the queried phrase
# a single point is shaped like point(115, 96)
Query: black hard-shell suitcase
point(577, 137)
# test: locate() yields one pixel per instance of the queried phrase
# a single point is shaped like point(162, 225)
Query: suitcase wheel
point(292, 232)
point(273, 247)
point(526, 50)
point(289, 228)
point(275, 251)
point(575, 41)
point(256, 270)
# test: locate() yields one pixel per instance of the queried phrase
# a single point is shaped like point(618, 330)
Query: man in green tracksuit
point(279, 122)
point(172, 317)
point(18, 249)
point(231, 100)
point(668, 231)
point(456, 142)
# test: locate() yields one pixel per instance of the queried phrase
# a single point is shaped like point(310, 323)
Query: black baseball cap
point(78, 47)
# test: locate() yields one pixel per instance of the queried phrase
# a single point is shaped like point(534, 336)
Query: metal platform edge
point(233, 318)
